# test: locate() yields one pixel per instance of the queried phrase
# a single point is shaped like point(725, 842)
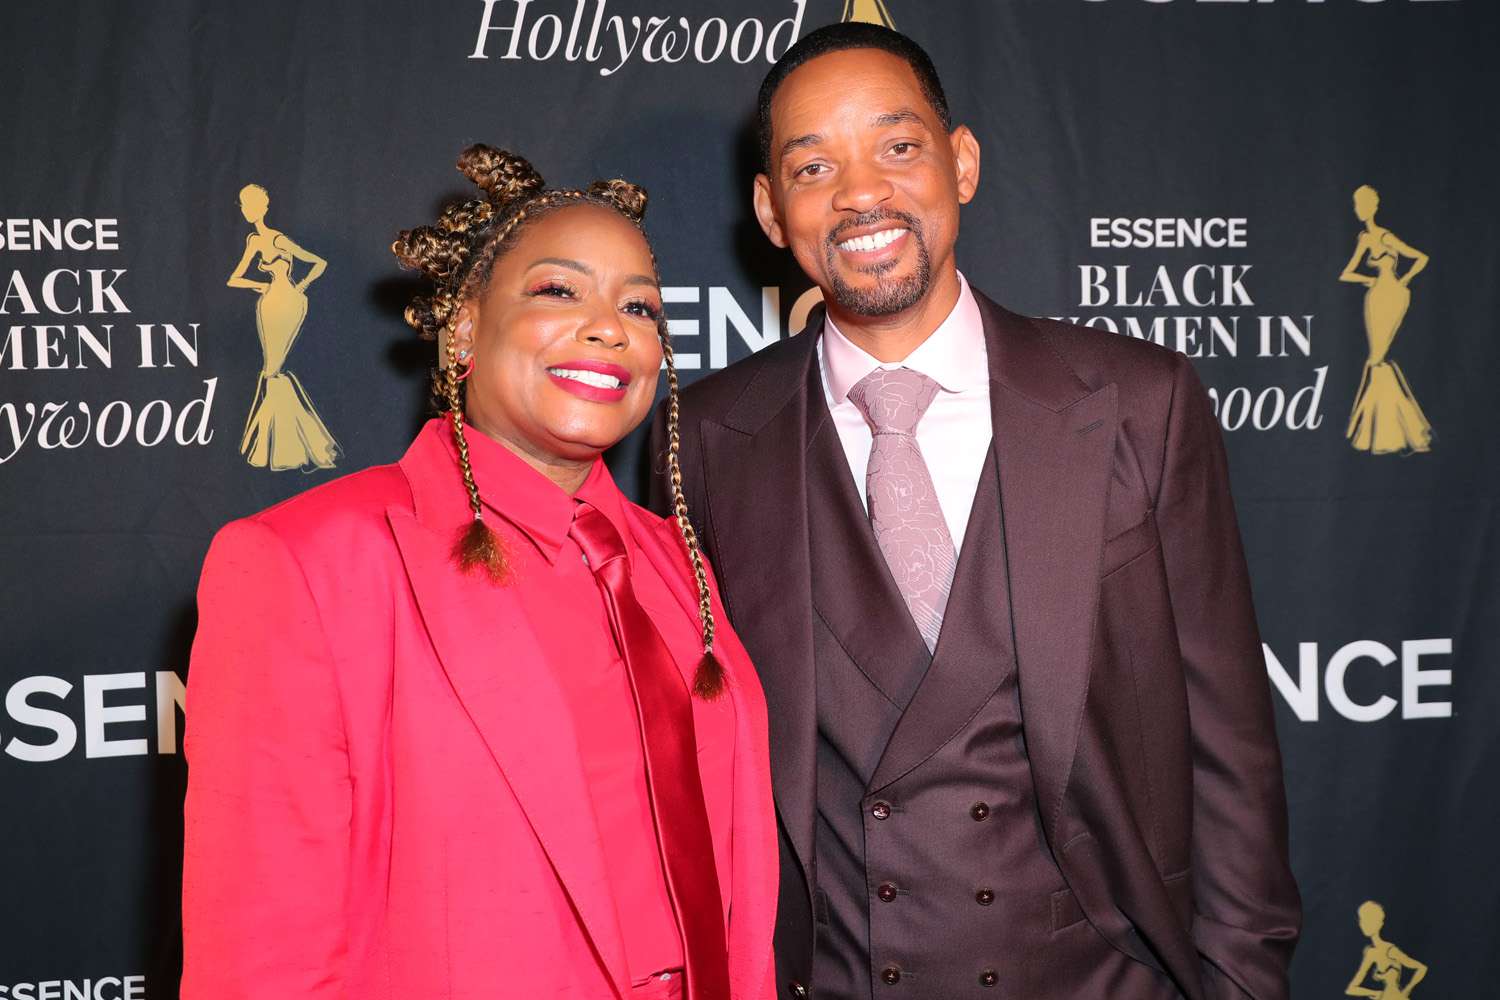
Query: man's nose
point(861, 188)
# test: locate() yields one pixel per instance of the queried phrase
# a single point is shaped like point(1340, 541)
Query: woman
point(283, 430)
point(473, 725)
point(1386, 417)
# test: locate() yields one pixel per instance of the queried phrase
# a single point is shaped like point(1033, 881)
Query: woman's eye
point(643, 309)
point(553, 289)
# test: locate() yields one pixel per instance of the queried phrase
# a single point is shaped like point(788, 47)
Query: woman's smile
point(596, 381)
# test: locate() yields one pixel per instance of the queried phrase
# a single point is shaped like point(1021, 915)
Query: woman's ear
point(461, 330)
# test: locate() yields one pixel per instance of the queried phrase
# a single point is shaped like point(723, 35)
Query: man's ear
point(965, 162)
point(765, 211)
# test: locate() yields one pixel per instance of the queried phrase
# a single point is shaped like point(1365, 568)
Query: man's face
point(865, 185)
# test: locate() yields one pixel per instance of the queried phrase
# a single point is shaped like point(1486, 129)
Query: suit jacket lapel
point(974, 651)
point(756, 485)
point(1054, 445)
point(502, 677)
point(852, 587)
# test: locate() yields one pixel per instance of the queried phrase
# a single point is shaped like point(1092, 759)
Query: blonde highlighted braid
point(458, 254)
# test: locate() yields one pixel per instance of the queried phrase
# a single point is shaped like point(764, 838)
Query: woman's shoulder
point(336, 518)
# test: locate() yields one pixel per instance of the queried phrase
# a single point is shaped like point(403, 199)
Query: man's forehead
point(872, 82)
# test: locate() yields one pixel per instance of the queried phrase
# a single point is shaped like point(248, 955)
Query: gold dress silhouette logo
point(869, 11)
point(1385, 419)
point(283, 430)
point(1384, 965)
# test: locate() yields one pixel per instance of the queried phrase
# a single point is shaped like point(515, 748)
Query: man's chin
point(885, 296)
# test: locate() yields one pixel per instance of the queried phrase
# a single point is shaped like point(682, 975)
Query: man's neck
point(894, 337)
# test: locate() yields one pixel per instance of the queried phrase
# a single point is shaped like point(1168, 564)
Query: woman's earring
point(466, 364)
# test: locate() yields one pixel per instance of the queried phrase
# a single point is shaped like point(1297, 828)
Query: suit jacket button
point(890, 975)
point(979, 811)
point(886, 892)
point(797, 990)
point(881, 810)
point(988, 977)
point(984, 897)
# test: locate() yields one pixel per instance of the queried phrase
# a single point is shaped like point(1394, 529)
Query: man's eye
point(810, 170)
point(902, 148)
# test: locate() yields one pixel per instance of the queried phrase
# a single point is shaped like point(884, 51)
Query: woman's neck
point(568, 474)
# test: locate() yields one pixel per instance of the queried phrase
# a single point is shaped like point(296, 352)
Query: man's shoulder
point(716, 393)
point(1098, 357)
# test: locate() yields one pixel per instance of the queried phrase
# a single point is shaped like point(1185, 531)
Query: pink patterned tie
point(903, 504)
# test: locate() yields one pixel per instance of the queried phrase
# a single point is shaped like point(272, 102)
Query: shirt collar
point(953, 356)
point(536, 506)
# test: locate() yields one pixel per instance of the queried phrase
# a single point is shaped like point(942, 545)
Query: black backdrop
point(128, 367)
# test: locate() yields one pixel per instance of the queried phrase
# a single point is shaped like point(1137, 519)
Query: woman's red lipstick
point(590, 390)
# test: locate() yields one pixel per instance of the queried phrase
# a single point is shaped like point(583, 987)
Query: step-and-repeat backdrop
point(1207, 174)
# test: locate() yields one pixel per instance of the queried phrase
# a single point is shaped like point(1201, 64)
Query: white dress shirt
point(954, 434)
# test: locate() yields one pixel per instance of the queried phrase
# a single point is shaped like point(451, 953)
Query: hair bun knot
point(462, 216)
point(629, 198)
point(503, 176)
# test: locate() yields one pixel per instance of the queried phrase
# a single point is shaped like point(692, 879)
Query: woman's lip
point(599, 367)
point(583, 390)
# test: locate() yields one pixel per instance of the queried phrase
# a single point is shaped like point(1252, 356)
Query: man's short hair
point(837, 38)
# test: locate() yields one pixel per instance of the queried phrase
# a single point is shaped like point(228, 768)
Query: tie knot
point(600, 542)
point(893, 400)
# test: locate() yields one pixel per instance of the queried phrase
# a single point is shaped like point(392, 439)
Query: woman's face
point(564, 337)
point(1366, 201)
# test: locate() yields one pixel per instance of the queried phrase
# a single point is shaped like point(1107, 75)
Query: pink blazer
point(384, 793)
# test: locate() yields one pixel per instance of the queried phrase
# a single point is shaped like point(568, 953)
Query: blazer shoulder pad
point(1100, 357)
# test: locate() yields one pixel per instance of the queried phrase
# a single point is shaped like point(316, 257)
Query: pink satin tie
point(665, 708)
point(903, 504)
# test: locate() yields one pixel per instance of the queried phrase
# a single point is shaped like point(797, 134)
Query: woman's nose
point(604, 329)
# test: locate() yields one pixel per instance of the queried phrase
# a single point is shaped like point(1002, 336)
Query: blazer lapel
point(501, 676)
point(974, 651)
point(1054, 445)
point(756, 483)
point(852, 587)
point(754, 858)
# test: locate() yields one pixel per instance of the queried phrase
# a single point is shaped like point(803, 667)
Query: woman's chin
point(589, 432)
point(575, 444)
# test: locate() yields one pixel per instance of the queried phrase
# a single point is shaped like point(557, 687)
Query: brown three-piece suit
point(1079, 793)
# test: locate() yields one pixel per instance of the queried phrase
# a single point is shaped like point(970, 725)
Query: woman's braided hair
point(458, 254)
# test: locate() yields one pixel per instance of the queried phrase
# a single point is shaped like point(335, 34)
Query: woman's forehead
point(584, 232)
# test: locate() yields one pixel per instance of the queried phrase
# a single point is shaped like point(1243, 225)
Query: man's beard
point(888, 296)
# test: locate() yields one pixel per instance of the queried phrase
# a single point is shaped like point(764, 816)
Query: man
point(988, 569)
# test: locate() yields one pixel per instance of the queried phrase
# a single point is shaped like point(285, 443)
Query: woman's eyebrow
point(574, 265)
point(581, 267)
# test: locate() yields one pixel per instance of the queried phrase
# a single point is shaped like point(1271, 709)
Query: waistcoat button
point(881, 810)
point(984, 897)
point(979, 811)
point(988, 977)
point(890, 975)
point(886, 892)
